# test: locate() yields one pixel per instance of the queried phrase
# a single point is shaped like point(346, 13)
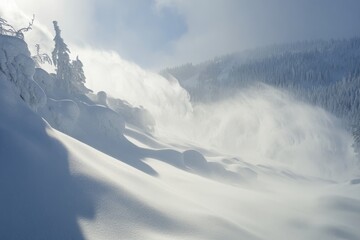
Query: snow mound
point(195, 160)
point(96, 119)
point(61, 114)
point(17, 67)
point(101, 98)
point(82, 120)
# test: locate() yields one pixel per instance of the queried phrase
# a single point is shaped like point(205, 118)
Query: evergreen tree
point(61, 59)
point(70, 74)
point(78, 76)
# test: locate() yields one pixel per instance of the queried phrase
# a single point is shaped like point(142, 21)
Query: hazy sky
point(160, 33)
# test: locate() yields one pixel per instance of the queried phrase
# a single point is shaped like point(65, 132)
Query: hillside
point(82, 165)
point(322, 73)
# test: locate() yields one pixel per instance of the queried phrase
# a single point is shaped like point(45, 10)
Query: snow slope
point(55, 187)
point(101, 178)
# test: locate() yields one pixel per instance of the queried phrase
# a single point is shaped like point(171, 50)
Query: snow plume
point(261, 124)
point(107, 71)
point(265, 126)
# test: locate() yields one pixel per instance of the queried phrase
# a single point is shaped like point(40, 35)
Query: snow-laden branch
point(9, 30)
point(41, 58)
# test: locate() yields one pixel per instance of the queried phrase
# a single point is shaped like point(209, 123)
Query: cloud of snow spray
point(265, 126)
point(107, 71)
point(261, 124)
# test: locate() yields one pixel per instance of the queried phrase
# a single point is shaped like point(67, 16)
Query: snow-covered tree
point(78, 76)
point(3, 25)
point(61, 59)
point(20, 33)
point(69, 74)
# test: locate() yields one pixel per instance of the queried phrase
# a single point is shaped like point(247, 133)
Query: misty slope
point(323, 73)
point(103, 177)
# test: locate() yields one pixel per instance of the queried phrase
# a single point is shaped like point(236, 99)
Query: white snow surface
point(262, 166)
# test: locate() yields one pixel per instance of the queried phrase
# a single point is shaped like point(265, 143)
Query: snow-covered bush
point(9, 30)
point(61, 114)
point(137, 116)
point(17, 67)
point(41, 58)
point(97, 122)
point(102, 98)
